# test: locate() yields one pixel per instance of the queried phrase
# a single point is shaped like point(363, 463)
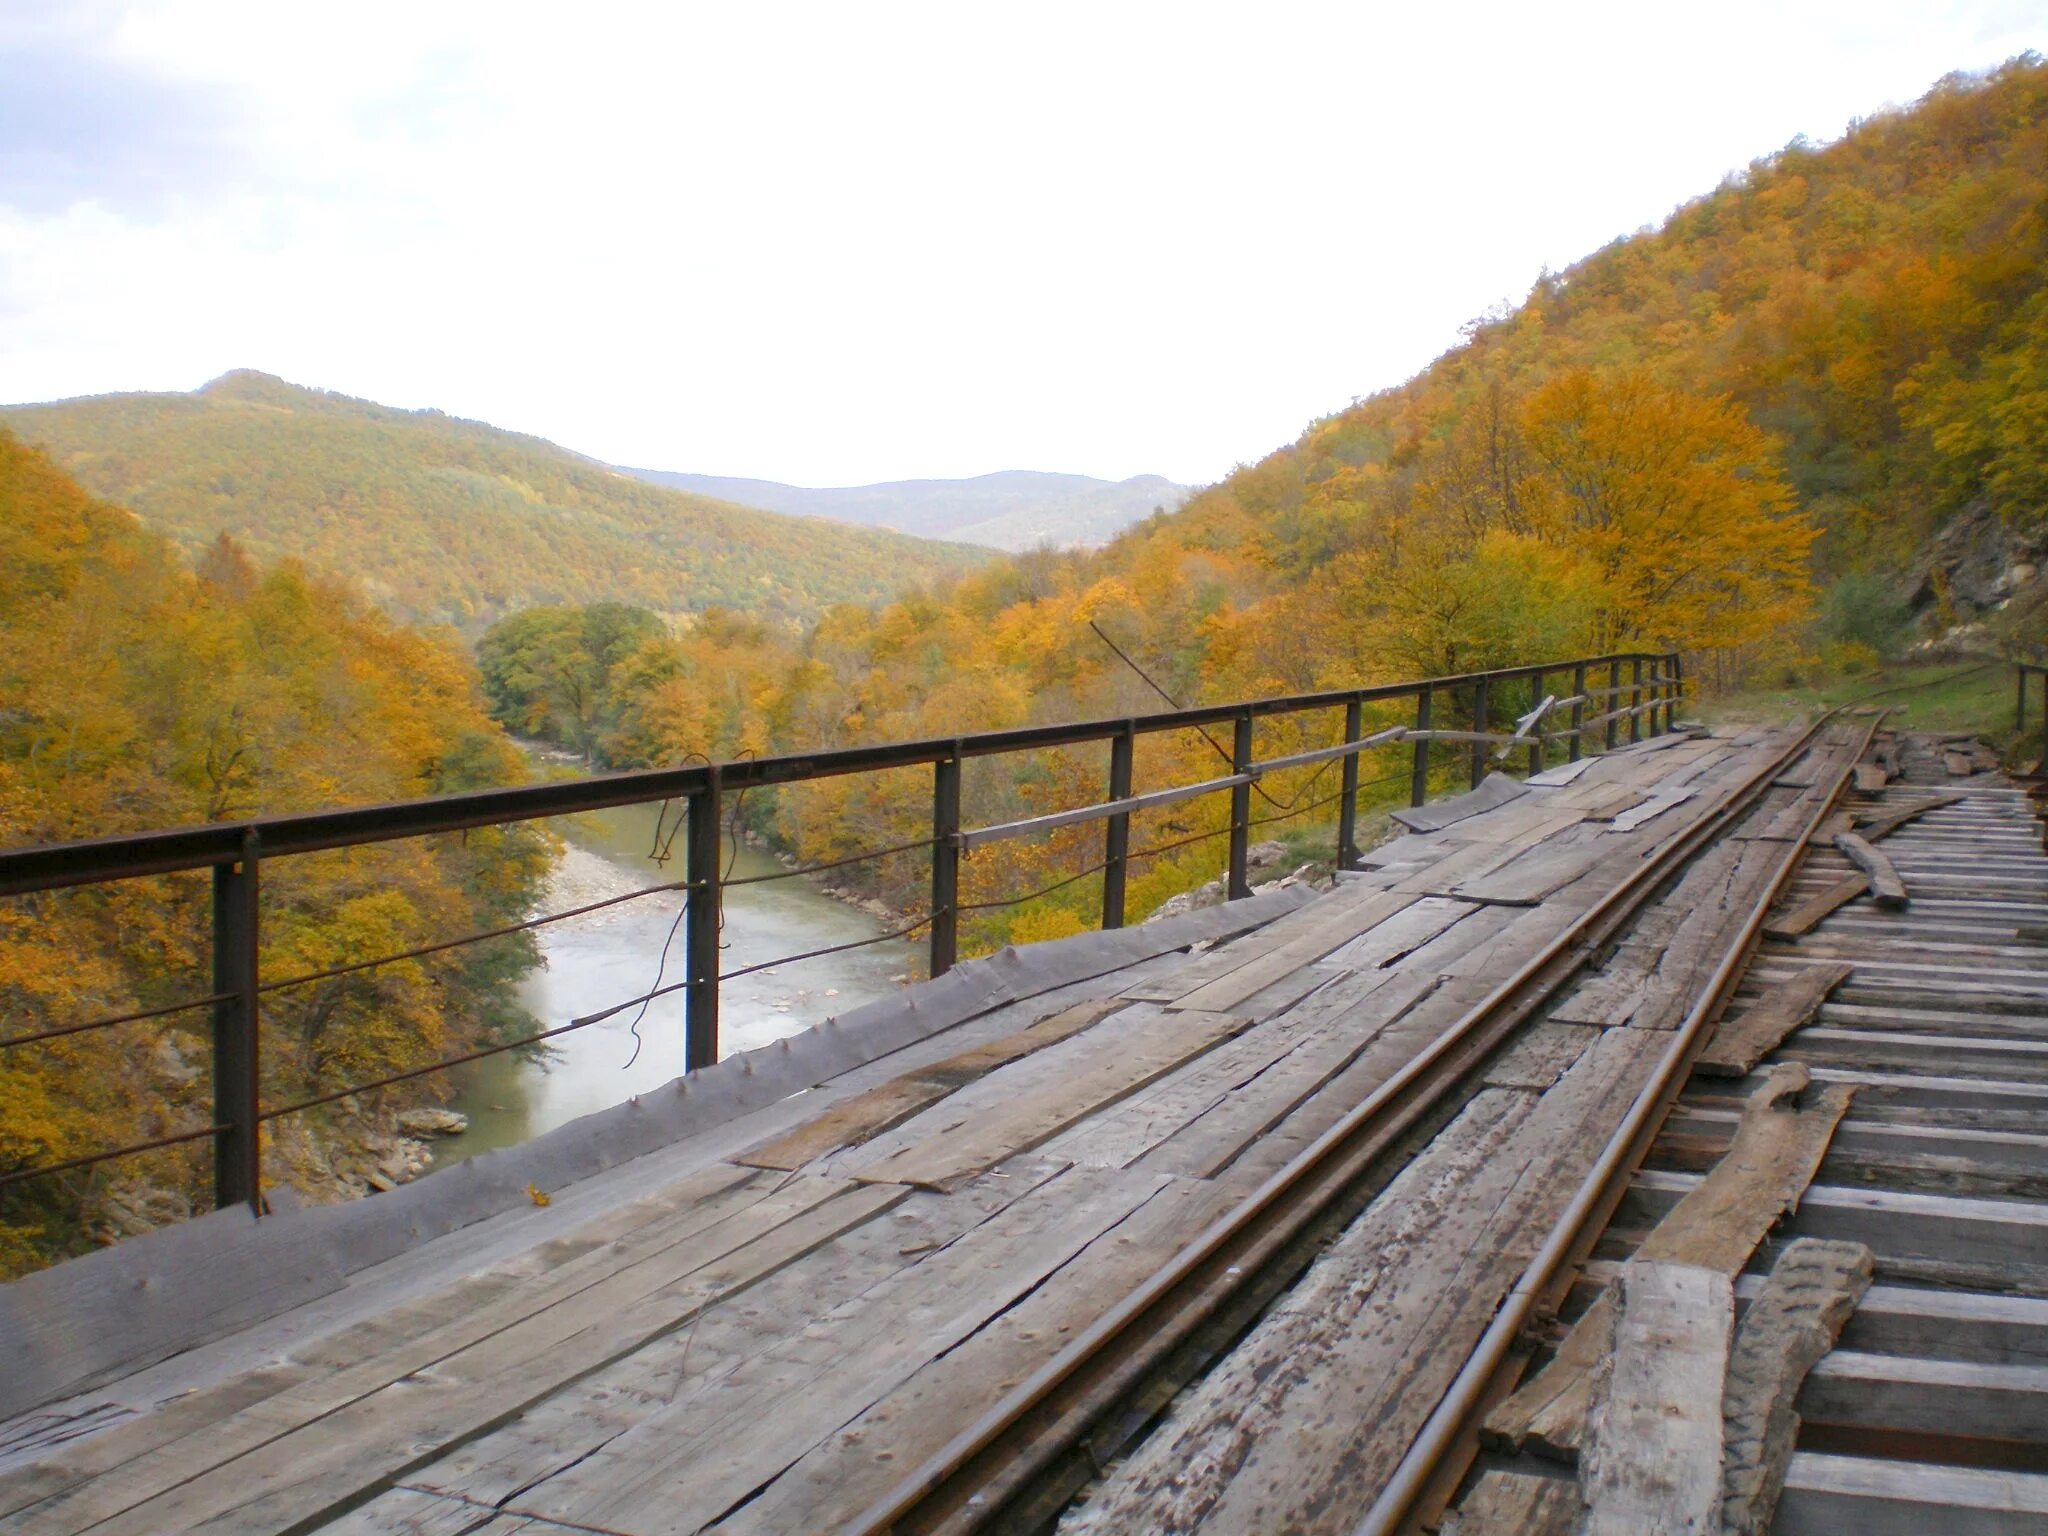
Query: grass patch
point(1941, 696)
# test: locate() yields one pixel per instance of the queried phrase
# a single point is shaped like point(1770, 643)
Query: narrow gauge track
point(1930, 1414)
point(1022, 1460)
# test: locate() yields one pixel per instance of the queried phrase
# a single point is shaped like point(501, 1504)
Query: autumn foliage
point(135, 694)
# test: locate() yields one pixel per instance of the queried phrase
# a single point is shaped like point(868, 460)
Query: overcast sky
point(849, 242)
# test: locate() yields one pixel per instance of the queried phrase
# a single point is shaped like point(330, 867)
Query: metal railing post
point(237, 1067)
point(1578, 709)
point(1347, 806)
point(1116, 840)
point(1536, 746)
point(945, 862)
point(1418, 783)
point(1613, 693)
point(702, 851)
point(1239, 885)
point(1479, 728)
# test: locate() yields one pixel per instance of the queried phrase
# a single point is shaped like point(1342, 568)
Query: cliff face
point(1977, 566)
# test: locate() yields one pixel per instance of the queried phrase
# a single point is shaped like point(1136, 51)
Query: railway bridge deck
point(1246, 1220)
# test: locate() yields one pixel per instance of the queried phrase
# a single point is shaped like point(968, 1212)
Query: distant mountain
point(1014, 509)
point(448, 521)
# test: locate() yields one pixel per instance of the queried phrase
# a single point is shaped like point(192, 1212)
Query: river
point(592, 962)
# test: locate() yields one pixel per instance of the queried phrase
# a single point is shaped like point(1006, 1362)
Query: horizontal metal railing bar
point(1031, 825)
point(1003, 831)
point(132, 855)
point(1327, 754)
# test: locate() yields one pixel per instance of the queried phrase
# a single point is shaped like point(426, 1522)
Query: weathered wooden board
point(1783, 1136)
point(575, 1420)
point(1516, 1504)
point(159, 1449)
point(835, 1481)
point(1664, 800)
point(1299, 1426)
point(1350, 920)
point(1787, 1329)
point(1364, 1037)
point(1533, 874)
point(687, 1462)
point(1300, 938)
point(1652, 1463)
point(957, 1138)
point(1805, 914)
point(1398, 935)
point(1829, 1495)
point(319, 1467)
point(1740, 1041)
point(1886, 888)
point(1540, 1056)
point(1883, 821)
point(853, 1121)
point(1496, 790)
point(1871, 778)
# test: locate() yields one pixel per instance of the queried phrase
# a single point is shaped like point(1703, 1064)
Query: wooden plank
point(1540, 1056)
point(1405, 931)
point(1885, 820)
point(1886, 888)
point(319, 1468)
point(1494, 791)
point(1651, 809)
point(1652, 1464)
point(958, 1138)
point(834, 1482)
point(1228, 991)
point(1299, 1426)
point(1358, 1041)
point(145, 1456)
point(1785, 1332)
point(1777, 1149)
point(1717, 892)
point(1828, 1495)
point(1516, 1504)
point(1534, 874)
point(1562, 774)
point(865, 1116)
point(1804, 915)
point(687, 1462)
point(1313, 929)
point(1871, 778)
point(577, 1419)
point(1740, 1042)
point(1959, 764)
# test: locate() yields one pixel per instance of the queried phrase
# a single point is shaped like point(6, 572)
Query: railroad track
point(1918, 1094)
point(1060, 1430)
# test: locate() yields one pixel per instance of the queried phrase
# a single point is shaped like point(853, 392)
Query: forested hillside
point(1015, 509)
point(447, 521)
point(1734, 434)
point(136, 694)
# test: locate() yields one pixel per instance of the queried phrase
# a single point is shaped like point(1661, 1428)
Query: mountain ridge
point(1011, 509)
point(442, 519)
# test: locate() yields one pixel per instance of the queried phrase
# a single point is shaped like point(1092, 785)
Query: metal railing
point(1600, 708)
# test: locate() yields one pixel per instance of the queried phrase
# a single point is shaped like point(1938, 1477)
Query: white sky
point(843, 242)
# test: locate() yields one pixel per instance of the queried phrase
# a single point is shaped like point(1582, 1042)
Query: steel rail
point(1222, 1259)
point(1422, 1465)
